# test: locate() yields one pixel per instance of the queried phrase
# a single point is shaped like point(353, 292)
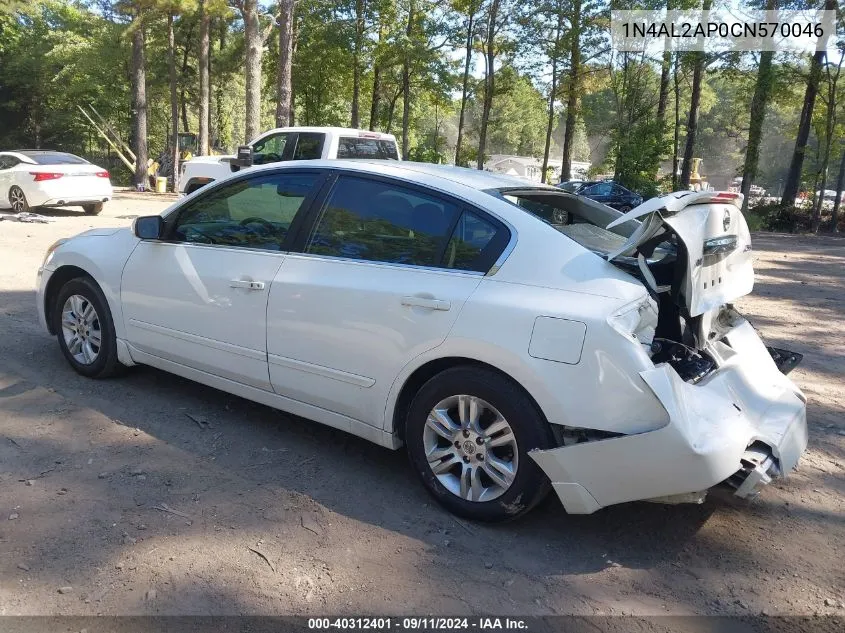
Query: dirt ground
point(113, 500)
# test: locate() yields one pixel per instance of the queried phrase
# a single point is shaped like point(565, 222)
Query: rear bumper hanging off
point(743, 425)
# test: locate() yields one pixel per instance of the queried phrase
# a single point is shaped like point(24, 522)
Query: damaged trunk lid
point(711, 265)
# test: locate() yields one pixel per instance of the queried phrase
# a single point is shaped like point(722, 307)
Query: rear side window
point(355, 147)
point(309, 146)
point(55, 158)
point(472, 243)
point(379, 221)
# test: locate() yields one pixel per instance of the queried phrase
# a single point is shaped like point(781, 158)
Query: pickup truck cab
point(291, 143)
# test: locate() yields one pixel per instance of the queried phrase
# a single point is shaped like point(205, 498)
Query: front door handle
point(248, 284)
point(425, 302)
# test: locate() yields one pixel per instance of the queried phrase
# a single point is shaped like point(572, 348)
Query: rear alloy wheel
point(85, 329)
point(17, 198)
point(468, 434)
point(93, 209)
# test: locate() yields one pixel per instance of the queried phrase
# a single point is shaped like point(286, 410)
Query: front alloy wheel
point(83, 323)
point(470, 448)
point(81, 329)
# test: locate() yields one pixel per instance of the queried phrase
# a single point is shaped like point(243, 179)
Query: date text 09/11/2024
point(428, 623)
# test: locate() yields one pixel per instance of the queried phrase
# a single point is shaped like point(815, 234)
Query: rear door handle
point(424, 302)
point(248, 284)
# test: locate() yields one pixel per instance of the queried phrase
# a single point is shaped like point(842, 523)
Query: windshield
point(54, 158)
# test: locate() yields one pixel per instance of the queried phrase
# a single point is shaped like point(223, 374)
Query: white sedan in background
point(494, 327)
point(42, 178)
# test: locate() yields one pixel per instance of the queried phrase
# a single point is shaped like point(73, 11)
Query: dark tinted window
point(601, 189)
point(355, 147)
point(55, 158)
point(270, 149)
point(253, 213)
point(471, 237)
point(309, 146)
point(378, 221)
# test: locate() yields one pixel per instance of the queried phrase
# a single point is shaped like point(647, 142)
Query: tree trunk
point(793, 177)
point(219, 87)
point(692, 121)
point(840, 183)
point(185, 55)
point(552, 94)
point(139, 106)
point(205, 90)
point(755, 125)
point(375, 105)
point(572, 96)
point(489, 79)
point(465, 85)
point(294, 36)
point(406, 85)
point(676, 143)
point(285, 69)
point(695, 102)
point(174, 103)
point(356, 62)
point(254, 48)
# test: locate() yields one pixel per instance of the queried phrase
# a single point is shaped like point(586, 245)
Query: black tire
point(93, 209)
point(106, 364)
point(18, 201)
point(529, 426)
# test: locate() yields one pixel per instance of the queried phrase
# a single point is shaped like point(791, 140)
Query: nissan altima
point(515, 338)
point(42, 178)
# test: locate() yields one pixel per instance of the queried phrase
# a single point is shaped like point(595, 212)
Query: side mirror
point(244, 156)
point(148, 227)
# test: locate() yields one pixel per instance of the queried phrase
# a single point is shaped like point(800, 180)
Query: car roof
point(384, 136)
point(472, 178)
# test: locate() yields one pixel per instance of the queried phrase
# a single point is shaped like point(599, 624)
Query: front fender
point(103, 258)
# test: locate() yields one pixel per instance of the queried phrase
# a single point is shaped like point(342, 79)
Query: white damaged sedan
point(514, 337)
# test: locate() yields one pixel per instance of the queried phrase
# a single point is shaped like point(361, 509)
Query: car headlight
point(636, 321)
point(49, 254)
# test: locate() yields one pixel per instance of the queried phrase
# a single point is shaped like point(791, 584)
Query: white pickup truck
point(291, 143)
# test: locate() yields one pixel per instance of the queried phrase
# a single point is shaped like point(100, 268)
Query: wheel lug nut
point(479, 440)
point(466, 433)
point(457, 444)
point(479, 457)
point(466, 459)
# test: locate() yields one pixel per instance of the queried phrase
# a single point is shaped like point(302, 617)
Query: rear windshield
point(355, 147)
point(54, 158)
point(581, 219)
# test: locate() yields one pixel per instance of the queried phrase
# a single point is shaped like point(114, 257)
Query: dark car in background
point(606, 191)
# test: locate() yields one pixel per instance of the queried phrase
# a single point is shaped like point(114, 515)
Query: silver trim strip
point(367, 262)
point(320, 370)
point(200, 340)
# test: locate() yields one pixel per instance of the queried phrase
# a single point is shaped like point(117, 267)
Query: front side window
point(357, 147)
point(252, 213)
point(378, 221)
point(270, 149)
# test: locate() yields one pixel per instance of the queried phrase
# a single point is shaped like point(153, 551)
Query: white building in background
point(531, 168)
